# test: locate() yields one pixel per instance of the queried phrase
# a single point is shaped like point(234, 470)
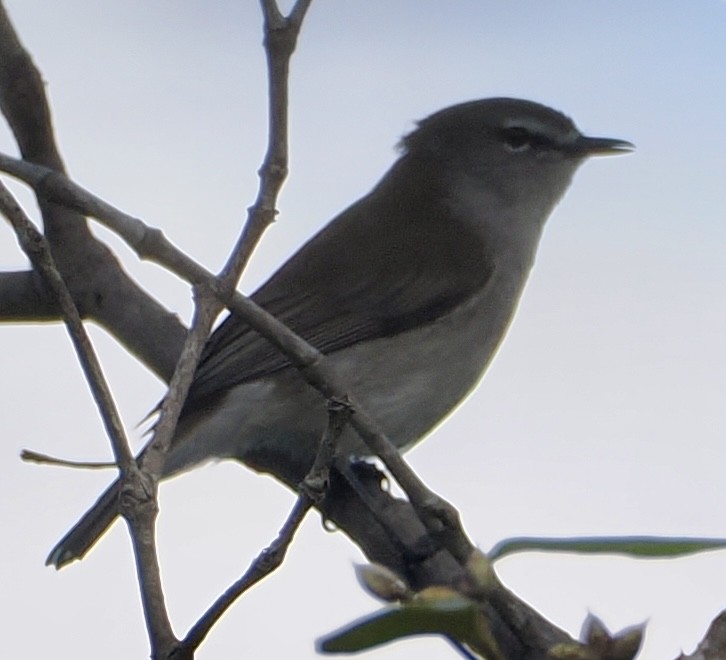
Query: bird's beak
point(596, 146)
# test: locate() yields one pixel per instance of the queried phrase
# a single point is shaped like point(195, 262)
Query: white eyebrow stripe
point(538, 128)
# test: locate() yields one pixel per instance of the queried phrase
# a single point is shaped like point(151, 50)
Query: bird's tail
point(84, 534)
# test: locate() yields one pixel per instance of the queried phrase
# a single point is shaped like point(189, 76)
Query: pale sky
point(604, 411)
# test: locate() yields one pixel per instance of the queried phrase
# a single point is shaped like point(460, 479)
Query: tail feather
point(84, 534)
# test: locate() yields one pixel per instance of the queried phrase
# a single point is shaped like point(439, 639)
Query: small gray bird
point(408, 293)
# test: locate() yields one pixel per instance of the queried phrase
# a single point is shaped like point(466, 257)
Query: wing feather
point(359, 279)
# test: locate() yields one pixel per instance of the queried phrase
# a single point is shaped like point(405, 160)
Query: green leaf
point(659, 547)
point(451, 615)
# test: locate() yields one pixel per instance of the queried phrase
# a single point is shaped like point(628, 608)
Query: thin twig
point(143, 517)
point(272, 175)
point(44, 459)
point(36, 247)
point(144, 544)
point(281, 35)
point(205, 311)
point(273, 555)
point(91, 272)
point(273, 172)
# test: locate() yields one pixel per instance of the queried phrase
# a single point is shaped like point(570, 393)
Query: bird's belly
point(408, 382)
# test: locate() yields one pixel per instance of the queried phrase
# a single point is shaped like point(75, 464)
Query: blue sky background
point(603, 412)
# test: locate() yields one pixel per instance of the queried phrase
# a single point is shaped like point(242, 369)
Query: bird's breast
point(412, 381)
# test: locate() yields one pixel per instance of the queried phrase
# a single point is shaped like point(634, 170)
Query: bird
point(407, 293)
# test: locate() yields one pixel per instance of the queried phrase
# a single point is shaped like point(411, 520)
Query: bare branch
point(141, 516)
point(38, 251)
point(43, 459)
point(99, 286)
point(280, 39)
point(271, 558)
point(272, 175)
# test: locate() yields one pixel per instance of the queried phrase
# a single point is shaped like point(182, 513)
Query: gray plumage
point(408, 292)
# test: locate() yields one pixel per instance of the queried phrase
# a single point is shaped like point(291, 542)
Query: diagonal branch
point(38, 251)
point(141, 518)
point(100, 288)
point(310, 492)
point(281, 35)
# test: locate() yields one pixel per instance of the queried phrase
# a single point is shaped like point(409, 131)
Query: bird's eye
point(517, 138)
